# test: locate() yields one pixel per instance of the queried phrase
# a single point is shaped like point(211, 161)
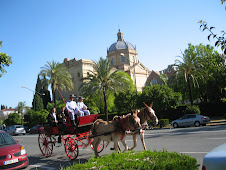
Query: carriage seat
point(86, 120)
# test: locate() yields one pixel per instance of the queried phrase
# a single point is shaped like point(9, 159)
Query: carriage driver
point(72, 108)
point(81, 106)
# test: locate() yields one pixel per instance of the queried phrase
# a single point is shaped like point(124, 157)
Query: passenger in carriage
point(62, 115)
point(52, 117)
point(73, 110)
point(81, 106)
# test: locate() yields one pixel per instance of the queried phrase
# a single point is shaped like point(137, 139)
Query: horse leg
point(142, 140)
point(116, 143)
point(96, 142)
point(134, 142)
point(125, 145)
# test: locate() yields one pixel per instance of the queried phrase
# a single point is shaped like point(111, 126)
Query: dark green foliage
point(37, 103)
point(13, 119)
point(155, 160)
point(163, 122)
point(162, 96)
point(46, 97)
point(192, 110)
point(32, 117)
point(5, 60)
point(42, 95)
point(126, 101)
point(59, 104)
point(212, 109)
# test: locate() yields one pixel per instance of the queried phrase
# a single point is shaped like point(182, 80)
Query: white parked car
point(16, 130)
point(215, 159)
point(190, 120)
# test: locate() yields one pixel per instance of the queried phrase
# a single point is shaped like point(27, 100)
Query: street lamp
point(34, 93)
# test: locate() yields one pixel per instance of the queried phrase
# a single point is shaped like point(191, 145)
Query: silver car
point(215, 159)
point(16, 130)
point(191, 120)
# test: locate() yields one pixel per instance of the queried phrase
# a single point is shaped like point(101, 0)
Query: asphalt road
point(193, 141)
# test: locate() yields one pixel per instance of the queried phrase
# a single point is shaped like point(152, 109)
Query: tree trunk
point(105, 104)
point(190, 91)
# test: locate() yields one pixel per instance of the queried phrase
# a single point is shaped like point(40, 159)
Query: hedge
point(163, 122)
point(155, 160)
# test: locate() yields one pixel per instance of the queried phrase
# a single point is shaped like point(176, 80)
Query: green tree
point(46, 97)
point(33, 118)
point(126, 100)
point(13, 119)
point(212, 88)
point(162, 96)
point(37, 100)
point(5, 60)
point(103, 80)
point(57, 76)
point(59, 104)
point(189, 68)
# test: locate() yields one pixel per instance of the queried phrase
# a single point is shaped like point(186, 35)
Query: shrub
point(192, 110)
point(163, 122)
point(140, 160)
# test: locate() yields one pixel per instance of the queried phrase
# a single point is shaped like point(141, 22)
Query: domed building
point(123, 55)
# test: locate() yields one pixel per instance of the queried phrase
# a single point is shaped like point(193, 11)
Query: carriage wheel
point(100, 147)
point(45, 143)
point(71, 148)
point(64, 137)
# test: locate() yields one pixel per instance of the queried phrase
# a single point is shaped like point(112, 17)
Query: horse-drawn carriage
point(75, 137)
point(72, 137)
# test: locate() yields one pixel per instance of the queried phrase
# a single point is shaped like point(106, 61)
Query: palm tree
point(58, 76)
point(189, 68)
point(21, 107)
point(103, 79)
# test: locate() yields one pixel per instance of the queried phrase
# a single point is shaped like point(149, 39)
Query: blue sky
point(36, 31)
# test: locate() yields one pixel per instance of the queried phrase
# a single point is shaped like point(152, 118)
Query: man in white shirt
point(72, 108)
point(81, 106)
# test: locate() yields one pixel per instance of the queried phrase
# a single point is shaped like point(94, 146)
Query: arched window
point(122, 59)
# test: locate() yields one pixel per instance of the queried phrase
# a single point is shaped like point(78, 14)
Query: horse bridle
point(151, 117)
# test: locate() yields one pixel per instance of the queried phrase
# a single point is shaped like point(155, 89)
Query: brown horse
point(113, 130)
point(145, 114)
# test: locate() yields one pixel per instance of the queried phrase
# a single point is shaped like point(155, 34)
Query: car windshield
point(19, 126)
point(6, 139)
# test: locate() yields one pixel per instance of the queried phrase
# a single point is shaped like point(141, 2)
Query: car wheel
point(23, 133)
point(197, 124)
point(175, 125)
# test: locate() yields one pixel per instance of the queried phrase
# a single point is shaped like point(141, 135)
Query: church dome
point(121, 44)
